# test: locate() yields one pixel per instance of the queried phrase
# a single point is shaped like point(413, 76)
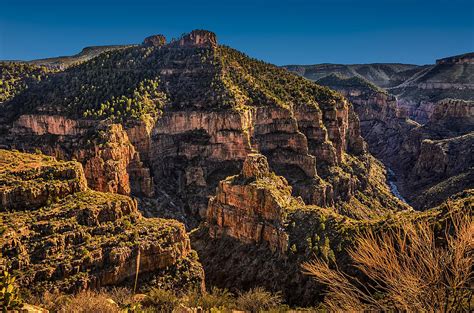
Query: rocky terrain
point(417, 88)
point(264, 168)
point(154, 121)
point(257, 233)
point(417, 151)
point(57, 234)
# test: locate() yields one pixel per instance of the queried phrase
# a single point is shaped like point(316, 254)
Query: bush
point(90, 302)
point(215, 299)
point(412, 269)
point(162, 300)
point(258, 299)
point(9, 296)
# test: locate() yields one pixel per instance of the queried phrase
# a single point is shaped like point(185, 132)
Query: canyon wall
point(78, 238)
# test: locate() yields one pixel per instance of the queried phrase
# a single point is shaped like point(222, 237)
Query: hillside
point(418, 88)
point(56, 233)
point(265, 169)
point(192, 110)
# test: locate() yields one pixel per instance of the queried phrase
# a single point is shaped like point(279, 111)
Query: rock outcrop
point(33, 181)
point(110, 161)
point(79, 238)
point(251, 206)
point(197, 38)
point(155, 40)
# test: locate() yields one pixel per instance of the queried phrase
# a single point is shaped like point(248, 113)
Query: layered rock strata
point(110, 161)
point(79, 238)
point(251, 206)
point(184, 115)
point(257, 234)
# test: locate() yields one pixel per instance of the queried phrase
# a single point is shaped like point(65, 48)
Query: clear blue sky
point(280, 32)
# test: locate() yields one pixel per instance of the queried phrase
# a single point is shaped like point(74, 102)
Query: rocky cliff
point(184, 115)
point(383, 124)
point(256, 233)
point(110, 161)
point(57, 233)
point(251, 206)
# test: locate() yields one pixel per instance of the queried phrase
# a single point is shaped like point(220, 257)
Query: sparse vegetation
point(407, 268)
point(161, 300)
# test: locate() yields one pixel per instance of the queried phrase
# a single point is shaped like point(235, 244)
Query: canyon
point(196, 166)
point(409, 134)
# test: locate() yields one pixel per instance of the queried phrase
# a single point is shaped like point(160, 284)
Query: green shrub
point(9, 296)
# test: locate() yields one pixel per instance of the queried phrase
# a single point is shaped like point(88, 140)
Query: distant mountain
point(65, 61)
point(417, 88)
point(381, 74)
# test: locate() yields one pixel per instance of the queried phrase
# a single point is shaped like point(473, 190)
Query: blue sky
point(280, 32)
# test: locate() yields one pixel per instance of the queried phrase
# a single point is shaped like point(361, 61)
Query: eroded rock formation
point(79, 238)
point(155, 40)
point(251, 206)
point(185, 115)
point(197, 38)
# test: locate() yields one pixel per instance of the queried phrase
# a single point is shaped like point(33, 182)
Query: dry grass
point(407, 269)
point(83, 302)
point(258, 299)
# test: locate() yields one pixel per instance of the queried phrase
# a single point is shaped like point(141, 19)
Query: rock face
point(250, 207)
point(155, 40)
point(111, 163)
point(383, 124)
point(175, 120)
point(197, 38)
point(80, 238)
point(436, 157)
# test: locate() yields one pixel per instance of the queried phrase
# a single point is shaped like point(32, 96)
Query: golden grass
point(407, 268)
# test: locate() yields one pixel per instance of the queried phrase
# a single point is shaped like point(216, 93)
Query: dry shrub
point(122, 296)
point(161, 300)
point(408, 269)
point(257, 300)
point(89, 302)
point(215, 299)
